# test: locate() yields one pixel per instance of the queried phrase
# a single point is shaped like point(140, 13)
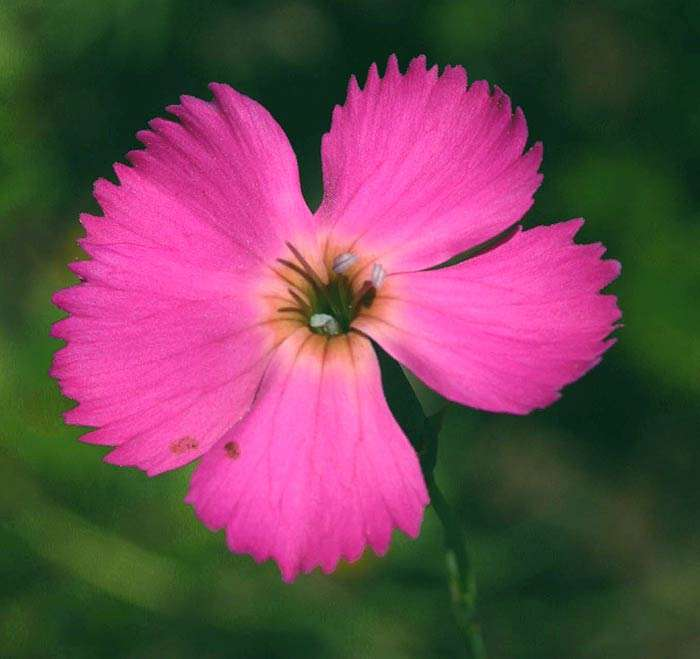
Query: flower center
point(328, 305)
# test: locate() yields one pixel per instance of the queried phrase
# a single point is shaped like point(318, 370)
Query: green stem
point(459, 566)
point(460, 574)
point(423, 433)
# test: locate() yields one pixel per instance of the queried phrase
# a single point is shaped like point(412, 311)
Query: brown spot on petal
point(183, 445)
point(232, 450)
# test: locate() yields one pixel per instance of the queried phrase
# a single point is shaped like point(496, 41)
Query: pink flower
point(218, 318)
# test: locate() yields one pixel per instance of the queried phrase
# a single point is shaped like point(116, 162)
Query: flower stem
point(460, 574)
point(423, 432)
point(459, 566)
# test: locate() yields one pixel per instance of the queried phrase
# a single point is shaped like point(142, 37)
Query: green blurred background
point(582, 518)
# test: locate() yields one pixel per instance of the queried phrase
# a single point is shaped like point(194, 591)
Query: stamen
point(304, 263)
point(301, 312)
point(300, 271)
point(329, 305)
point(378, 275)
point(343, 261)
point(364, 297)
point(303, 304)
point(364, 289)
point(325, 323)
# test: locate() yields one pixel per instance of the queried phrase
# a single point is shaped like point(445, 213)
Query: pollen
point(328, 298)
point(325, 323)
point(378, 275)
point(343, 262)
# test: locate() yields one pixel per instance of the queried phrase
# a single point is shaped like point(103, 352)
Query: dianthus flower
point(218, 318)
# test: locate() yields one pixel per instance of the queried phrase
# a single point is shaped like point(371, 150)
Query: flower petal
point(418, 167)
point(319, 468)
point(160, 377)
point(506, 330)
point(167, 339)
point(222, 185)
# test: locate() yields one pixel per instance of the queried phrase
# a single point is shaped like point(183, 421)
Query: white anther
point(326, 323)
point(378, 275)
point(343, 261)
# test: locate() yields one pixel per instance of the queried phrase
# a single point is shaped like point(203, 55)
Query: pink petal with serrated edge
point(419, 167)
point(167, 340)
point(504, 331)
point(318, 469)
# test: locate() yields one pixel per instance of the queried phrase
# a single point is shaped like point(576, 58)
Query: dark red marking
point(183, 445)
point(232, 450)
